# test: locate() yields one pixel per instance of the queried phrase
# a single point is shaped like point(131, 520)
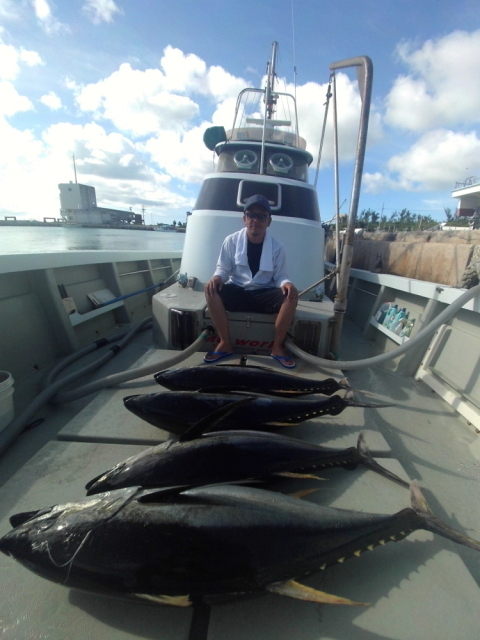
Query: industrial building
point(78, 206)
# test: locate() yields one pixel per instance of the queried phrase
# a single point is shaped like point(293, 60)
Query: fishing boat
point(80, 330)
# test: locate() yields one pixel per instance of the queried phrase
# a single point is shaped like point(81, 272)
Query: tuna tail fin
point(368, 461)
point(431, 523)
point(352, 401)
point(210, 421)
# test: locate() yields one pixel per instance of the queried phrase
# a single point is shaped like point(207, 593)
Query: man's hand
point(213, 285)
point(290, 290)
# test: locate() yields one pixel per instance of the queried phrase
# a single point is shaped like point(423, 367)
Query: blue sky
point(129, 86)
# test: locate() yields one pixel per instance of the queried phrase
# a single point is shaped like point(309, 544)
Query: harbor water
point(53, 239)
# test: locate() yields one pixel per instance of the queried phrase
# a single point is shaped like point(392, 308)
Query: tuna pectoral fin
point(19, 518)
point(299, 591)
point(367, 460)
point(434, 524)
point(209, 422)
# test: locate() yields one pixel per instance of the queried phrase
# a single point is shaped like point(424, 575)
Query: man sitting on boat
point(251, 276)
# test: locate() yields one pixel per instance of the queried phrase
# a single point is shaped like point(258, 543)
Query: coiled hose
point(18, 424)
point(422, 335)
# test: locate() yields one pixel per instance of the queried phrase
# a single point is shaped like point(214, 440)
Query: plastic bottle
point(400, 326)
point(407, 329)
point(382, 312)
point(390, 315)
point(396, 320)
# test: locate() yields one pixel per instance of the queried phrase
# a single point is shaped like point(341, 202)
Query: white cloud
point(144, 102)
point(441, 88)
point(182, 155)
point(187, 73)
point(9, 10)
point(11, 102)
point(31, 168)
point(310, 100)
point(136, 101)
point(435, 162)
point(99, 11)
point(11, 57)
point(51, 100)
point(45, 16)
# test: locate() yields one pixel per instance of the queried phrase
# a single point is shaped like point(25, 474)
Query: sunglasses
point(261, 217)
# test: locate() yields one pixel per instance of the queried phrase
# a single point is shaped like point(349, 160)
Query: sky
point(129, 87)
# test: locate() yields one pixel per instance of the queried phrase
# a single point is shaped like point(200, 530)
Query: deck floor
point(419, 589)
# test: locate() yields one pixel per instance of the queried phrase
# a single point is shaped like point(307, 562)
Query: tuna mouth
point(131, 398)
point(5, 547)
point(132, 404)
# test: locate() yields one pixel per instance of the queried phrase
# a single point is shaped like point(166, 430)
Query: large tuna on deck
point(236, 377)
point(228, 457)
point(179, 547)
point(176, 411)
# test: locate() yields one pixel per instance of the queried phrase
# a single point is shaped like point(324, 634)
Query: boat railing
point(467, 183)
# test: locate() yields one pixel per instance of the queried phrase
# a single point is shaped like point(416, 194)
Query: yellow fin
point(302, 476)
point(302, 493)
point(293, 589)
point(175, 601)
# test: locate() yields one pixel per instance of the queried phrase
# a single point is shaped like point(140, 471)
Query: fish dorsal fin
point(293, 589)
point(207, 423)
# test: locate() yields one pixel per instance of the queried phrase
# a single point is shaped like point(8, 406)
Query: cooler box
point(180, 314)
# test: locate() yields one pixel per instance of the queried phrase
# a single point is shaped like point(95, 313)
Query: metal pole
point(269, 100)
point(335, 168)
point(365, 76)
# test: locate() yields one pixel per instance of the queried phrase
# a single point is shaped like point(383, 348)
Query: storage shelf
point(78, 318)
point(387, 332)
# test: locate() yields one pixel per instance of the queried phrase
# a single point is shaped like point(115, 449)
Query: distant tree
point(367, 219)
point(448, 214)
point(174, 223)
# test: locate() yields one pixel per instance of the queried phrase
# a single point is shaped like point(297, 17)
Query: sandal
point(285, 361)
point(214, 356)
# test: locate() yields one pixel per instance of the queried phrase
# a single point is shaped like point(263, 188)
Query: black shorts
point(237, 298)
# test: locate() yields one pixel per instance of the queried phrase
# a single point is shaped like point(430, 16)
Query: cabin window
point(270, 190)
point(245, 158)
point(229, 194)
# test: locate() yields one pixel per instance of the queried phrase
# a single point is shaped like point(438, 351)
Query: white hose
point(12, 430)
point(446, 314)
point(131, 374)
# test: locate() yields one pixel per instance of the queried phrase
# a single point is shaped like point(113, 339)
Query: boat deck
point(424, 587)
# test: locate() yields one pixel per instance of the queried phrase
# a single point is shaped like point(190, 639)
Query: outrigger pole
point(365, 76)
point(270, 99)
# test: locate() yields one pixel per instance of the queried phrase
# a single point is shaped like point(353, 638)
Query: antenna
point(74, 168)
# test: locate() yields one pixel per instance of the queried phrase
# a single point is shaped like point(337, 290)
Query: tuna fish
point(177, 411)
point(235, 377)
point(230, 456)
point(179, 547)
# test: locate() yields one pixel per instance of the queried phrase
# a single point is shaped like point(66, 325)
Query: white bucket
point(7, 411)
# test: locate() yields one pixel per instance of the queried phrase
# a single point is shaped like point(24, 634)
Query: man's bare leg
point(282, 324)
point(221, 322)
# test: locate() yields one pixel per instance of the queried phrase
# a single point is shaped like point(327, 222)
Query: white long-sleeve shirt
point(232, 265)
